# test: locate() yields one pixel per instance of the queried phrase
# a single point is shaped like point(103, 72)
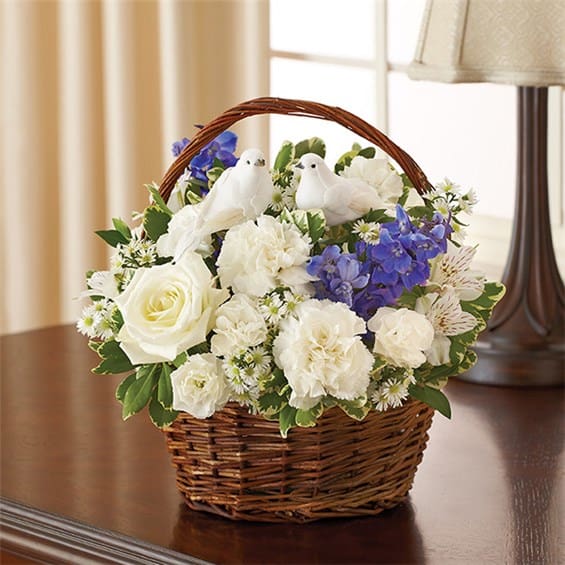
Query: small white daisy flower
point(367, 231)
point(86, 324)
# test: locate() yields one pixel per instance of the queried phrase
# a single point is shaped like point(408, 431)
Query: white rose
point(257, 257)
point(200, 386)
point(401, 336)
point(321, 353)
point(170, 244)
point(167, 309)
point(239, 325)
point(379, 174)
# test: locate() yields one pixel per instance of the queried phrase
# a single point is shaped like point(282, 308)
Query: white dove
point(341, 199)
point(241, 193)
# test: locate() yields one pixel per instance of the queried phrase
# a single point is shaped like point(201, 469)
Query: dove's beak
point(299, 165)
point(260, 163)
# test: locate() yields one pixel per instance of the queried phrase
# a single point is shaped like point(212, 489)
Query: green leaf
point(180, 359)
point(159, 415)
point(316, 224)
point(367, 152)
point(284, 157)
point(140, 391)
point(158, 199)
point(271, 403)
point(356, 409)
point(122, 227)
point(114, 359)
point(214, 174)
point(308, 418)
point(432, 397)
point(155, 222)
point(123, 387)
point(287, 419)
point(112, 237)
point(312, 145)
point(165, 388)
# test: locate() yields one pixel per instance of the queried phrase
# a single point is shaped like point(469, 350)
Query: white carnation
point(379, 174)
point(401, 336)
point(321, 353)
point(258, 256)
point(239, 325)
point(200, 386)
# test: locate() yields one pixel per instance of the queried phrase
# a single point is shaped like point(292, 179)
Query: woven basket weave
point(237, 465)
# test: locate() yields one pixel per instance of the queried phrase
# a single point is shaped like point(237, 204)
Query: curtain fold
point(93, 95)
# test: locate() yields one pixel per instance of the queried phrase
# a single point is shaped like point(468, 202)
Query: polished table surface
point(78, 485)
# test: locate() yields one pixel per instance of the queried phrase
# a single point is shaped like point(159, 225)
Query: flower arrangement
point(288, 291)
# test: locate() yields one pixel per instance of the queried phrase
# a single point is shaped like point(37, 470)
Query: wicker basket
point(237, 465)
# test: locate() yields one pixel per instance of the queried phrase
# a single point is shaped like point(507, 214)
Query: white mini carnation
point(171, 243)
point(200, 386)
point(401, 336)
point(380, 175)
point(259, 256)
point(321, 353)
point(239, 325)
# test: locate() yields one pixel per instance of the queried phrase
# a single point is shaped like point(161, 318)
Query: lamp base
point(524, 343)
point(516, 368)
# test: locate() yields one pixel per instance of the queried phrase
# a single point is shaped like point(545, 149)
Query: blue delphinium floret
point(178, 146)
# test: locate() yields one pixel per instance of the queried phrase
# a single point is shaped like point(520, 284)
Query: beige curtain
point(93, 95)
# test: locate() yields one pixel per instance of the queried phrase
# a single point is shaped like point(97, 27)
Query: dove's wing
point(337, 198)
point(363, 196)
point(218, 193)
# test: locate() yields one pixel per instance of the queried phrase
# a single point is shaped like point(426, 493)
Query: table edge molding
point(43, 535)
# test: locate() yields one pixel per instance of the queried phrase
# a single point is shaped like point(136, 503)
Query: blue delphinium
point(376, 275)
point(222, 149)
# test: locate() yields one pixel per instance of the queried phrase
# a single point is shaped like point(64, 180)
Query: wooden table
point(81, 486)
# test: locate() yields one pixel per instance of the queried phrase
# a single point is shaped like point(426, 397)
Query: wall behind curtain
point(93, 95)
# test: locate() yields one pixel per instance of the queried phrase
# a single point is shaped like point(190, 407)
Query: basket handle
point(304, 108)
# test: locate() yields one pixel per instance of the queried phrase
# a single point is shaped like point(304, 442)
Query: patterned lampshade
point(520, 42)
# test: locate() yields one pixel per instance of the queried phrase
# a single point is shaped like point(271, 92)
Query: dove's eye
point(248, 162)
point(313, 166)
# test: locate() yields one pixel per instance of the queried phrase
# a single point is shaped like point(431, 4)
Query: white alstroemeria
point(103, 283)
point(445, 313)
point(257, 256)
point(447, 318)
point(452, 270)
point(380, 175)
point(176, 199)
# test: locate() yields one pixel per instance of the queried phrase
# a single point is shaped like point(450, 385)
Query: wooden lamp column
point(524, 344)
